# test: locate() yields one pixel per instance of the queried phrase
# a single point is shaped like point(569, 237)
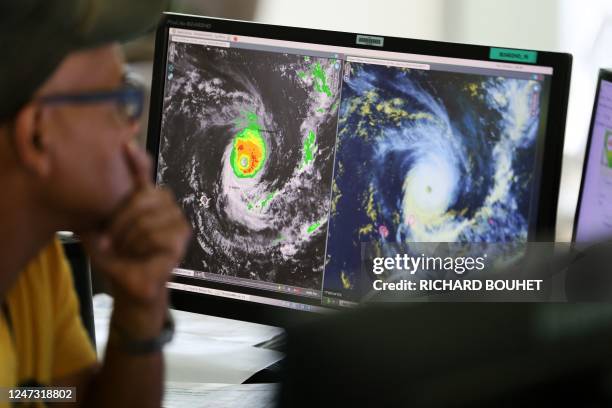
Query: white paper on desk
point(217, 328)
point(204, 360)
point(205, 349)
point(195, 395)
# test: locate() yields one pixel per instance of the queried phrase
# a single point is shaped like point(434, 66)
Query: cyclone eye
point(248, 152)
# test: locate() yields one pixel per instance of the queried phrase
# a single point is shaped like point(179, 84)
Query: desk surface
point(205, 349)
point(220, 395)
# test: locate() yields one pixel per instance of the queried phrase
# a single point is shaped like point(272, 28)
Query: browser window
point(286, 156)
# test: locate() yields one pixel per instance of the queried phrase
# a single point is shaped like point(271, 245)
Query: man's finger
point(140, 203)
point(140, 166)
point(147, 224)
point(168, 238)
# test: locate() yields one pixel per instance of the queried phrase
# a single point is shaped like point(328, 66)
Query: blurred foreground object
point(459, 354)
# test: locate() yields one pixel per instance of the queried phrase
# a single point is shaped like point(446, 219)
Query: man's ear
point(30, 143)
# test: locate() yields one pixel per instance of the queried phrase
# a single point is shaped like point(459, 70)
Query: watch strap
point(143, 346)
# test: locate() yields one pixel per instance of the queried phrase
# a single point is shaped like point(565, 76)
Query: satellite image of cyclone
point(428, 156)
point(247, 145)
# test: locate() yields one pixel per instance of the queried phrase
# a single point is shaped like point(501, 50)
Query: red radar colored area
point(248, 153)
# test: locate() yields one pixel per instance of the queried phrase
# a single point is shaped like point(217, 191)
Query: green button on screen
point(506, 54)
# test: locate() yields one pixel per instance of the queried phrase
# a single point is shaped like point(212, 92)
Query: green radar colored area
point(313, 227)
point(263, 203)
point(310, 148)
point(249, 150)
point(319, 78)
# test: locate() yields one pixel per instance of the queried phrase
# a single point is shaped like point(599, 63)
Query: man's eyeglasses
point(129, 99)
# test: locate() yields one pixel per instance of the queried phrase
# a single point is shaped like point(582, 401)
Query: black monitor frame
point(552, 159)
point(604, 75)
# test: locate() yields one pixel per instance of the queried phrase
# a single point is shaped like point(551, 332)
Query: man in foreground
point(67, 162)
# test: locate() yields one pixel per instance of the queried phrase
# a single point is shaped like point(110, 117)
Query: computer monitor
point(593, 221)
point(289, 147)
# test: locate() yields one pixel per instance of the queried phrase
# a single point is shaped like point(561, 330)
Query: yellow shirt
point(50, 341)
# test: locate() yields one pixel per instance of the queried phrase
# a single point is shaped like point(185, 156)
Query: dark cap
point(36, 35)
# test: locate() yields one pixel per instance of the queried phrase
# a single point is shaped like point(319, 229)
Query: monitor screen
point(594, 216)
point(287, 156)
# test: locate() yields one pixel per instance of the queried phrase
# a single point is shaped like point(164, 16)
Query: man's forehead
point(92, 69)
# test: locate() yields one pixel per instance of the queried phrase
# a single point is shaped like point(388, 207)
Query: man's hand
point(139, 248)
point(136, 251)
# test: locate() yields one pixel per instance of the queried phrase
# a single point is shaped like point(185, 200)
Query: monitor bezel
point(604, 75)
point(551, 166)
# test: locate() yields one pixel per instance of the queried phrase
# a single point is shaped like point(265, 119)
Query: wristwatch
point(128, 344)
